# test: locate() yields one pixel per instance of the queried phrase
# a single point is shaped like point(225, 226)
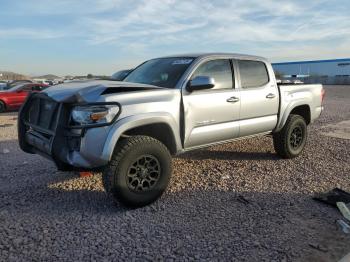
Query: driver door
point(212, 115)
point(22, 94)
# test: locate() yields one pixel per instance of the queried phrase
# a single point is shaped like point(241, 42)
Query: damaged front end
point(69, 133)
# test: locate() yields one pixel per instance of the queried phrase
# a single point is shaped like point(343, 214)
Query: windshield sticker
point(182, 62)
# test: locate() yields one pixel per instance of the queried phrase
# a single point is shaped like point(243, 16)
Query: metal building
point(335, 71)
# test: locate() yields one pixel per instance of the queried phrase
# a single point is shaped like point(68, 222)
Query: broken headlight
point(94, 115)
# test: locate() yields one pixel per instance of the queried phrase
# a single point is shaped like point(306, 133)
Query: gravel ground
point(232, 202)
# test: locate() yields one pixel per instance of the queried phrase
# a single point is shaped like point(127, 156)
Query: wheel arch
point(4, 103)
point(161, 127)
point(158, 130)
point(301, 109)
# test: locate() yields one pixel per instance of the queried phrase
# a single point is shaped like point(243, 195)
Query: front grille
point(42, 113)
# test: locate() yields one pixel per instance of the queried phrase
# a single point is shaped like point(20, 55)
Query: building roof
point(314, 61)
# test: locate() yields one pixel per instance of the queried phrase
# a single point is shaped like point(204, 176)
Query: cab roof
point(228, 55)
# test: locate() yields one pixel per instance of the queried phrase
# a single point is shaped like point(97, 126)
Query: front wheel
point(139, 171)
point(291, 140)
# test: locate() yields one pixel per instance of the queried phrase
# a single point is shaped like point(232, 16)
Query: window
point(37, 88)
point(344, 64)
point(220, 70)
point(27, 88)
point(253, 73)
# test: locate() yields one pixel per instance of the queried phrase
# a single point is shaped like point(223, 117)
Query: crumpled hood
point(90, 90)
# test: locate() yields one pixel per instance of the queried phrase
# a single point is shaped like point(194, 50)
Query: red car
point(14, 97)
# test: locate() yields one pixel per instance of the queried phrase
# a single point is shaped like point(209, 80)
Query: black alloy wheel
point(144, 173)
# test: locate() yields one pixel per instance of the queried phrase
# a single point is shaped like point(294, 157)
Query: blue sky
point(102, 36)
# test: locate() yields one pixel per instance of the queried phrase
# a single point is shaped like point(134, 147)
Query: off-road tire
point(283, 141)
point(127, 151)
point(2, 107)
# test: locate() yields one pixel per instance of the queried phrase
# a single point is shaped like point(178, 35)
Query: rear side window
point(220, 70)
point(253, 73)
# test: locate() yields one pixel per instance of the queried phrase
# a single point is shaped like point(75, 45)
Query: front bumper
point(43, 129)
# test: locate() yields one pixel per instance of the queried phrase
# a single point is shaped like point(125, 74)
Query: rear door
point(259, 97)
point(212, 115)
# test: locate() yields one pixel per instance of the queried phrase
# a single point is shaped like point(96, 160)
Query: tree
point(89, 76)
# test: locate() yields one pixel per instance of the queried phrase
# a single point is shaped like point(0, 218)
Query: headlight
point(92, 115)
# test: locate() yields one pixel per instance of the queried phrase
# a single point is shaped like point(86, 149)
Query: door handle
point(232, 99)
point(270, 96)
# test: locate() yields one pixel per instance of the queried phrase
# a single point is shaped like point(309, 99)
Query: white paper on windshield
point(182, 62)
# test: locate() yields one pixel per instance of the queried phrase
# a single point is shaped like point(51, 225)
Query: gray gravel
point(231, 202)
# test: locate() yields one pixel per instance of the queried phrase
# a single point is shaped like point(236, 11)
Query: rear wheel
point(2, 107)
point(291, 140)
point(139, 171)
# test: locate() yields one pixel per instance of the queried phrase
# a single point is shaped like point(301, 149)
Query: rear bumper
point(46, 133)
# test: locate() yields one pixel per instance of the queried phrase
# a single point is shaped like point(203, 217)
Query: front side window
point(220, 70)
point(163, 72)
point(253, 73)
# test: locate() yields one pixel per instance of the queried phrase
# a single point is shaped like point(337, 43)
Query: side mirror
point(200, 83)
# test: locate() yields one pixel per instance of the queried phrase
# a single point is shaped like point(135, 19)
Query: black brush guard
point(41, 128)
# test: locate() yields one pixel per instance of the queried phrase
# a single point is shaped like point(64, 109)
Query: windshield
point(163, 72)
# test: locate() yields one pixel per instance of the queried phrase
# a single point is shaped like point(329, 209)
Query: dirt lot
point(232, 202)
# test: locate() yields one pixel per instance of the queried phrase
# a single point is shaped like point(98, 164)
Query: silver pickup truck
point(165, 106)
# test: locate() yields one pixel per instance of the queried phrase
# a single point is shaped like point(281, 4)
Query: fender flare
point(288, 109)
point(127, 123)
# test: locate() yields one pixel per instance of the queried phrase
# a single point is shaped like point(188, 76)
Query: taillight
point(323, 94)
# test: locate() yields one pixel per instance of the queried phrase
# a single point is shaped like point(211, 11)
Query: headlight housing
point(93, 115)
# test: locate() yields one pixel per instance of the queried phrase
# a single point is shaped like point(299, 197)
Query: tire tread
point(280, 139)
point(122, 147)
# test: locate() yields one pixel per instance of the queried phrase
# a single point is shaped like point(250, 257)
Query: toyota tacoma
point(166, 106)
